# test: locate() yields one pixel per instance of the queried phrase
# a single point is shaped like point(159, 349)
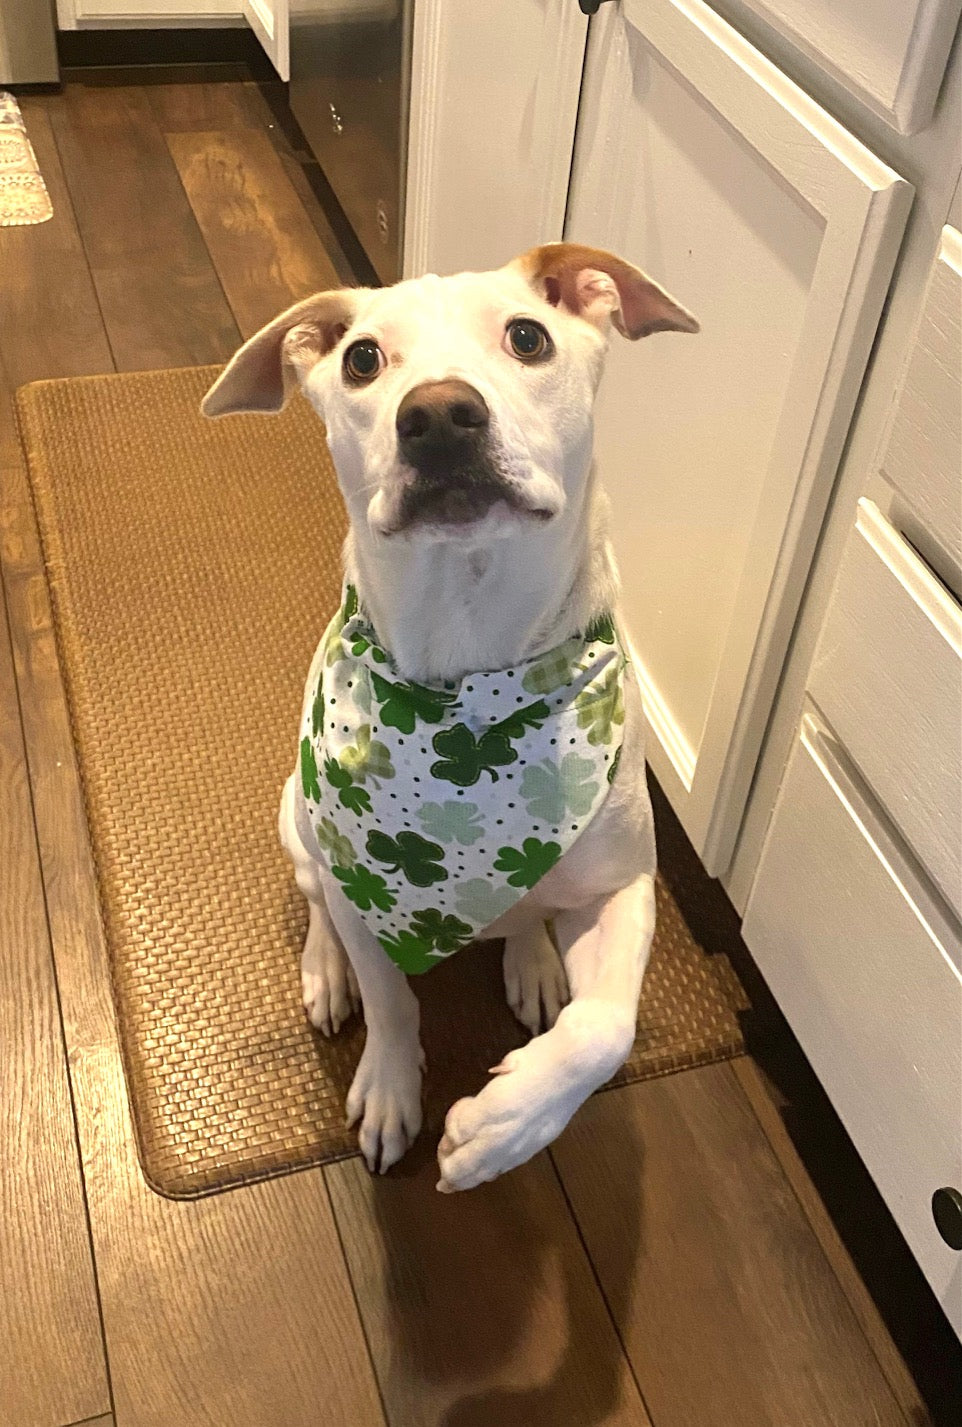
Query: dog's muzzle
point(443, 431)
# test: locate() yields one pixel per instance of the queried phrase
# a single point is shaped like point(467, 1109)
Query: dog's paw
point(518, 1113)
point(534, 978)
point(385, 1096)
point(329, 987)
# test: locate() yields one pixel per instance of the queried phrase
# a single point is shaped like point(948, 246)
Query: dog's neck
point(447, 609)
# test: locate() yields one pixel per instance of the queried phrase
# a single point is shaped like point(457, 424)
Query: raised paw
point(535, 1091)
point(521, 1110)
point(385, 1096)
point(329, 987)
point(534, 978)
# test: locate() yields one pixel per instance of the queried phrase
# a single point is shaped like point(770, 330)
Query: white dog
point(473, 660)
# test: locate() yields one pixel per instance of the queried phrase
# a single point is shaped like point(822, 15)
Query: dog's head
point(455, 407)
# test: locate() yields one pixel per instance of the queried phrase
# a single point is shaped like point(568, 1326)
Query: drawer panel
point(923, 452)
point(891, 54)
point(887, 675)
point(867, 973)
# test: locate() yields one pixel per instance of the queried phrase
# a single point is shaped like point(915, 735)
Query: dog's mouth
point(459, 500)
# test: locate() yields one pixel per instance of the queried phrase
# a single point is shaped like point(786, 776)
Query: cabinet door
point(701, 162)
point(494, 103)
point(270, 21)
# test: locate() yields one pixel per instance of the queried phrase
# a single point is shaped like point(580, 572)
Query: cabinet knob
point(590, 7)
point(947, 1213)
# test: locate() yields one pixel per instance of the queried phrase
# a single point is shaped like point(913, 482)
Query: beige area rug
point(193, 566)
point(23, 194)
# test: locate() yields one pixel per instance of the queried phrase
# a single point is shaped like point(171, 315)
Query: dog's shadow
point(494, 1317)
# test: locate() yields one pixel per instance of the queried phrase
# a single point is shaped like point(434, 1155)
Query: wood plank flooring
point(655, 1270)
point(259, 237)
point(159, 294)
point(482, 1308)
point(737, 1244)
point(46, 1272)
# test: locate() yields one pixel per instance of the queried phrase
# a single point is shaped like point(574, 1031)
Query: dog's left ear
point(595, 285)
point(263, 373)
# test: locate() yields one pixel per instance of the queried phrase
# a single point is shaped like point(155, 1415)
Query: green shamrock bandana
point(437, 806)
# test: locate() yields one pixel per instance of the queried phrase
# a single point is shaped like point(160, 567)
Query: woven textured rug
point(193, 566)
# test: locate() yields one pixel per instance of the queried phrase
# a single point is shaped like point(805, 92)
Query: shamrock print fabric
point(437, 807)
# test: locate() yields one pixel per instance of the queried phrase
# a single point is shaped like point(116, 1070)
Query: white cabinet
point(852, 907)
point(701, 162)
point(887, 675)
point(921, 454)
point(270, 21)
point(866, 966)
point(142, 14)
point(494, 103)
point(891, 54)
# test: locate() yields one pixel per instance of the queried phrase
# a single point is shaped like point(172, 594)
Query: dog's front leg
point(385, 1095)
point(329, 987)
point(537, 1088)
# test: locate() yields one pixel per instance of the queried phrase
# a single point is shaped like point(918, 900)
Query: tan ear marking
point(262, 374)
point(596, 285)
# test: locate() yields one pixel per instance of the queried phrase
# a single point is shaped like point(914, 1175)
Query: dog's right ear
point(598, 286)
point(263, 373)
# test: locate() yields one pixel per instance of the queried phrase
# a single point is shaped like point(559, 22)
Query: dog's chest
point(438, 807)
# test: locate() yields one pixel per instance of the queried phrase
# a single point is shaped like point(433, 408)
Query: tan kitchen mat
point(193, 565)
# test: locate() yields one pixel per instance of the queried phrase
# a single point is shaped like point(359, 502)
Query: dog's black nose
point(440, 422)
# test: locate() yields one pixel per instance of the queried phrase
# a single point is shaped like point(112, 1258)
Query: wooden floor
point(667, 1263)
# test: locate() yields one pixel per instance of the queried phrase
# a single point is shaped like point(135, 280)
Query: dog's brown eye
point(363, 360)
point(528, 340)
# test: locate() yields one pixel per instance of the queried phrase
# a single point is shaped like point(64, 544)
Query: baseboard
point(231, 46)
point(836, 1190)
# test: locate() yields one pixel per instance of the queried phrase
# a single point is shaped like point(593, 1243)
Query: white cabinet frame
point(862, 205)
point(145, 14)
point(494, 104)
point(270, 21)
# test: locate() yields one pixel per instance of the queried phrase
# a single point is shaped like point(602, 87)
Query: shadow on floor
point(495, 1286)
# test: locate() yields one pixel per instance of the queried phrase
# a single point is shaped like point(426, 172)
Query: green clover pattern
point(483, 901)
point(444, 933)
point(358, 800)
point(309, 780)
point(552, 790)
point(413, 856)
point(465, 755)
point(554, 669)
point(527, 865)
point(366, 889)
point(599, 710)
point(367, 758)
point(408, 951)
point(452, 821)
point(403, 704)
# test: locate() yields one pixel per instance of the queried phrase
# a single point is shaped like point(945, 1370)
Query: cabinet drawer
point(891, 54)
point(924, 445)
point(887, 675)
point(867, 971)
